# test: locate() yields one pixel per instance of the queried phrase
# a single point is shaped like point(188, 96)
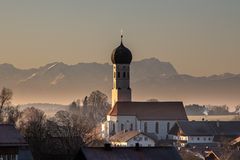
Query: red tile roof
point(150, 110)
point(9, 136)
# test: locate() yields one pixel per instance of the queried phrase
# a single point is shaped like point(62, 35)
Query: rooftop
point(9, 136)
point(150, 110)
point(130, 153)
point(207, 128)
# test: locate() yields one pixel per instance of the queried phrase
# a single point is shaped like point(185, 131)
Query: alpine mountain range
point(150, 78)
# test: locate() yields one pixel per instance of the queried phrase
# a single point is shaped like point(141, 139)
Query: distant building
point(129, 153)
point(147, 117)
point(131, 138)
point(204, 133)
point(12, 144)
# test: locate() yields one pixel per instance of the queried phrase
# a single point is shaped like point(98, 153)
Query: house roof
point(207, 128)
point(130, 153)
point(9, 136)
point(150, 110)
point(126, 136)
point(235, 141)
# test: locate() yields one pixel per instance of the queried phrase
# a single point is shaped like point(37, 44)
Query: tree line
point(59, 136)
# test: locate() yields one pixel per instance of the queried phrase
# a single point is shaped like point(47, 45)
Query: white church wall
point(163, 127)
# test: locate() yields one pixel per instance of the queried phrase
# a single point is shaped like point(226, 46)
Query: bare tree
point(5, 98)
point(11, 114)
point(32, 125)
point(98, 106)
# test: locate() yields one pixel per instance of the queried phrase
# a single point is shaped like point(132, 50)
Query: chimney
point(107, 146)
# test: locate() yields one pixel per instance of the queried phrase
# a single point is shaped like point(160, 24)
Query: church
point(151, 118)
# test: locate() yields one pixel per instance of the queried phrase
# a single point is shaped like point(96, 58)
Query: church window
point(113, 128)
point(118, 75)
point(124, 74)
point(131, 127)
point(145, 127)
point(157, 127)
point(122, 127)
point(168, 127)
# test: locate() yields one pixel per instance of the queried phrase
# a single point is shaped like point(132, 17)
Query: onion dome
point(121, 55)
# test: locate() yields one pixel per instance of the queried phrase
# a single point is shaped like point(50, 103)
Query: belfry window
point(118, 75)
point(124, 74)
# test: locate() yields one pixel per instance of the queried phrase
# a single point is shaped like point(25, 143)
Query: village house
point(12, 144)
point(131, 138)
point(204, 133)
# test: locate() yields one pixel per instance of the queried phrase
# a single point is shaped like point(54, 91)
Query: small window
point(168, 127)
point(131, 127)
point(204, 139)
point(209, 139)
point(157, 127)
point(198, 138)
point(124, 74)
point(118, 74)
point(145, 138)
point(122, 127)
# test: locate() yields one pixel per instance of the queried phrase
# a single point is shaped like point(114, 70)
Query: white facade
point(141, 139)
point(121, 91)
point(184, 140)
point(115, 124)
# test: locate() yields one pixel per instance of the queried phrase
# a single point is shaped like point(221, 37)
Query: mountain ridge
point(58, 82)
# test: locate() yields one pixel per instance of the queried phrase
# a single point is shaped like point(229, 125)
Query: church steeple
point(121, 59)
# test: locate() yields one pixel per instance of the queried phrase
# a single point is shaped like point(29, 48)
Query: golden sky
point(199, 37)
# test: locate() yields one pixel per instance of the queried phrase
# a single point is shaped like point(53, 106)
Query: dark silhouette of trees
point(8, 113)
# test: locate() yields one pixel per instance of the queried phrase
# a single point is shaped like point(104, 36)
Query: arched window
point(157, 127)
point(131, 127)
point(122, 127)
point(168, 127)
point(118, 76)
point(145, 127)
point(113, 128)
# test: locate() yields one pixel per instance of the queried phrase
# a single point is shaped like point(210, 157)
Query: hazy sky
point(199, 37)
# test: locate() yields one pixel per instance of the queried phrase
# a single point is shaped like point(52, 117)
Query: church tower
point(121, 59)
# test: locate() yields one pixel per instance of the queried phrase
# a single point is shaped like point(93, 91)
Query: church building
point(155, 118)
